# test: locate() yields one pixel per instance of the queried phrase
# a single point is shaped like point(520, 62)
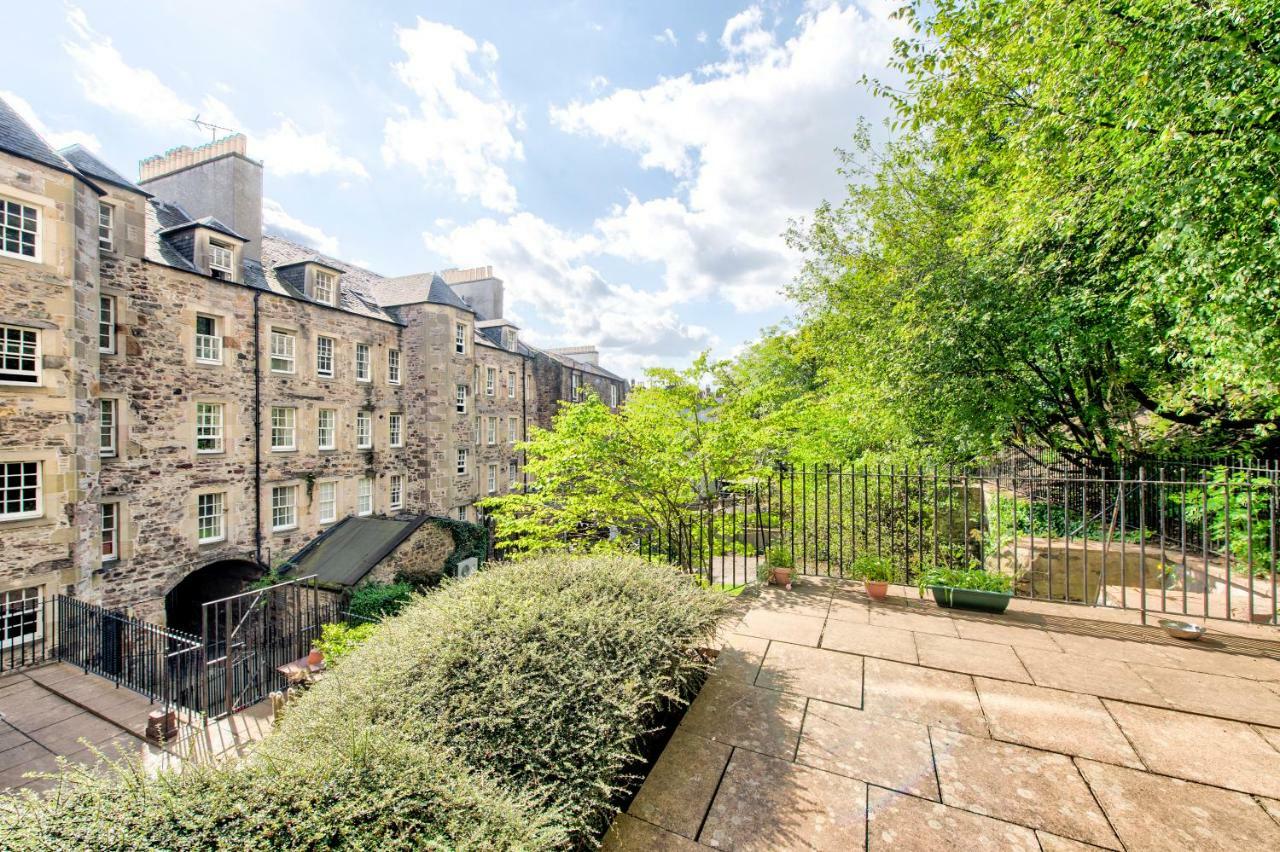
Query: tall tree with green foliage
point(598, 478)
point(1074, 239)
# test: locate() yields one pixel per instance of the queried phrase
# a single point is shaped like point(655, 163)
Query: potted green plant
point(777, 567)
point(876, 573)
point(967, 588)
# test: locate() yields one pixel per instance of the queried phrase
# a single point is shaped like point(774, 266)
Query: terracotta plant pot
point(877, 589)
point(782, 577)
point(315, 658)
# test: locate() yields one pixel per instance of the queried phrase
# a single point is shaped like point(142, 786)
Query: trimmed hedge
point(503, 711)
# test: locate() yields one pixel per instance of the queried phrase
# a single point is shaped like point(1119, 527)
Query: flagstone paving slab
point(882, 750)
point(856, 610)
point(884, 642)
point(1054, 843)
point(916, 619)
point(813, 672)
point(1152, 812)
point(1130, 650)
point(907, 824)
point(1271, 735)
point(1201, 748)
point(740, 657)
point(681, 784)
point(1223, 662)
point(753, 717)
point(1015, 634)
point(1050, 719)
point(628, 834)
point(811, 601)
point(931, 697)
point(1019, 784)
point(784, 626)
point(768, 804)
point(1215, 695)
point(1090, 675)
point(970, 657)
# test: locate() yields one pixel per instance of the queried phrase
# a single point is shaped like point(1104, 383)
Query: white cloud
point(287, 150)
point(550, 270)
point(749, 141)
point(667, 37)
point(108, 80)
point(701, 37)
point(461, 127)
point(276, 220)
point(58, 139)
point(599, 83)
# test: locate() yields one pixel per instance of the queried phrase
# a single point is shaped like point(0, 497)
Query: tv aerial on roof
point(211, 127)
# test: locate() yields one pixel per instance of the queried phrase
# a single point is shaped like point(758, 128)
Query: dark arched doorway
point(182, 606)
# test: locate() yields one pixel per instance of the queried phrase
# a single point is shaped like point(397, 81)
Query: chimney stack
point(478, 288)
point(585, 354)
point(216, 179)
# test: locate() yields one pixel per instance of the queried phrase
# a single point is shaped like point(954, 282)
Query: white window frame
point(364, 430)
point(460, 339)
point(513, 474)
point(460, 395)
point(463, 457)
point(462, 513)
point(364, 496)
point(324, 286)
point(491, 432)
point(107, 220)
point(211, 422)
point(209, 346)
point(330, 429)
point(21, 343)
point(490, 381)
point(14, 605)
point(110, 531)
point(575, 384)
point(513, 434)
point(211, 507)
point(284, 497)
point(287, 355)
point(21, 470)
point(107, 306)
point(218, 252)
point(11, 211)
point(323, 503)
point(395, 429)
point(395, 491)
point(393, 366)
point(324, 342)
point(613, 396)
point(493, 479)
point(286, 422)
point(108, 427)
point(364, 366)
point(511, 385)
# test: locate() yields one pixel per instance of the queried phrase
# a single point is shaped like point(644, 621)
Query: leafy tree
point(1074, 240)
point(599, 478)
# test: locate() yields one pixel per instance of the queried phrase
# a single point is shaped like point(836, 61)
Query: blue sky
point(627, 168)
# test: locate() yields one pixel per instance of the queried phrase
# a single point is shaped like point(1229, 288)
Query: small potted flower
point(777, 567)
point(967, 588)
point(876, 573)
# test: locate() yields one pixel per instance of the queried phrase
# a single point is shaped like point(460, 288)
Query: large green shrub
point(503, 711)
point(377, 600)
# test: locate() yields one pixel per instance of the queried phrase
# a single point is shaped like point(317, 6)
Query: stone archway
point(183, 603)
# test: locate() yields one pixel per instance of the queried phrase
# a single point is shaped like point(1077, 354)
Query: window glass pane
point(106, 324)
point(324, 356)
point(209, 516)
point(19, 354)
point(19, 229)
point(110, 529)
point(107, 427)
point(208, 427)
point(282, 428)
point(19, 489)
point(282, 349)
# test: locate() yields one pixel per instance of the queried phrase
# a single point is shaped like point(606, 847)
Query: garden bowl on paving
point(1182, 629)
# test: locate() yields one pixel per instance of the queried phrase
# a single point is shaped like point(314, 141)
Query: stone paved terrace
point(834, 722)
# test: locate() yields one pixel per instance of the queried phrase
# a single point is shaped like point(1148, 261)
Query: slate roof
point(346, 552)
point(355, 285)
point(575, 364)
point(84, 161)
point(420, 287)
point(209, 222)
point(18, 137)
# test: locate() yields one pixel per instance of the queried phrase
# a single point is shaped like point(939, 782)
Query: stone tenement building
point(185, 401)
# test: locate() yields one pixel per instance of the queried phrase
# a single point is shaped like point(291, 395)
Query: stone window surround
point(461, 393)
point(50, 495)
point(490, 381)
point(491, 432)
point(332, 356)
point(214, 341)
point(223, 514)
point(108, 427)
point(365, 374)
point(37, 357)
point(511, 384)
point(110, 528)
point(40, 204)
point(14, 603)
point(107, 320)
point(393, 366)
point(288, 420)
point(283, 495)
point(106, 225)
point(393, 501)
point(220, 432)
point(281, 334)
point(395, 429)
point(331, 428)
point(460, 339)
point(463, 461)
point(493, 479)
point(7, 479)
point(364, 496)
point(331, 482)
point(364, 430)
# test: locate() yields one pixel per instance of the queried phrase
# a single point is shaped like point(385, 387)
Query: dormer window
point(325, 286)
point(221, 260)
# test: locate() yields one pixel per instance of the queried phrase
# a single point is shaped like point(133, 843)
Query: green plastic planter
point(948, 596)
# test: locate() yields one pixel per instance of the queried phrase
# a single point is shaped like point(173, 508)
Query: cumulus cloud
point(276, 220)
point(107, 79)
point(460, 127)
point(749, 141)
point(666, 37)
point(56, 138)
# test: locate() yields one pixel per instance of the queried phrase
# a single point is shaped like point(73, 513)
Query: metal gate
point(248, 636)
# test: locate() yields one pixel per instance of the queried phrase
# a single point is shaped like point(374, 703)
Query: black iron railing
point(1193, 540)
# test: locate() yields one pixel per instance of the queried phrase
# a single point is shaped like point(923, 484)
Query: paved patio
point(835, 722)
